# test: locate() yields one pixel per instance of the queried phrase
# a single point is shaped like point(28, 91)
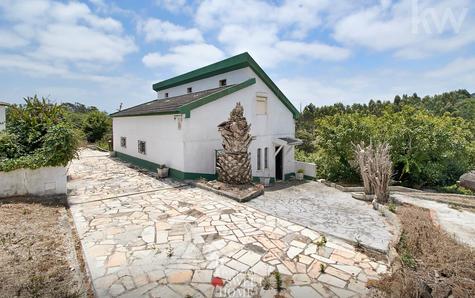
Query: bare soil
point(432, 264)
point(39, 252)
point(455, 199)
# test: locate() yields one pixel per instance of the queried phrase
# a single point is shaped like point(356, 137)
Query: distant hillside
point(459, 103)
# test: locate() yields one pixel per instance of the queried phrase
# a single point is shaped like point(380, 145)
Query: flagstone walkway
point(151, 238)
point(328, 210)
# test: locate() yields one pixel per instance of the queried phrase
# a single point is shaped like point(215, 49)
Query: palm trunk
point(234, 164)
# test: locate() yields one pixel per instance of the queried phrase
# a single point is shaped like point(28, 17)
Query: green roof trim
point(233, 63)
point(186, 109)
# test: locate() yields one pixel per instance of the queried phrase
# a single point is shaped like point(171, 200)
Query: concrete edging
point(227, 194)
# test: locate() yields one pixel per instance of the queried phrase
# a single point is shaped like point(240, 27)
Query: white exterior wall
point(38, 182)
point(2, 118)
point(232, 77)
point(201, 135)
point(309, 169)
point(164, 141)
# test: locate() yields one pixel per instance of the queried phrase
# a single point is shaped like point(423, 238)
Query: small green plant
point(266, 283)
point(392, 207)
point(322, 241)
point(157, 249)
point(170, 252)
point(279, 285)
point(406, 256)
point(322, 268)
point(300, 171)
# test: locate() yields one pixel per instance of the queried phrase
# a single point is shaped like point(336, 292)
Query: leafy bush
point(30, 121)
point(425, 149)
point(9, 147)
point(36, 136)
point(96, 125)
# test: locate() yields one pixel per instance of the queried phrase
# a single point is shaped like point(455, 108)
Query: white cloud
point(185, 57)
point(295, 17)
point(266, 47)
point(349, 87)
point(87, 44)
point(69, 32)
point(409, 28)
point(173, 5)
point(272, 33)
point(461, 68)
point(155, 29)
point(11, 40)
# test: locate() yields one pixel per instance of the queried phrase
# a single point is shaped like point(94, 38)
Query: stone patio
point(328, 210)
point(151, 238)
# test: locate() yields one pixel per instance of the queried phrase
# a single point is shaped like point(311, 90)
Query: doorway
point(279, 165)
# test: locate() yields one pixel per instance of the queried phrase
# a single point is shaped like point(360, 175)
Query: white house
point(179, 128)
point(3, 106)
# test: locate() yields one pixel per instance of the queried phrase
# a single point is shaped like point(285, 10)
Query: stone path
point(170, 241)
point(459, 223)
point(328, 210)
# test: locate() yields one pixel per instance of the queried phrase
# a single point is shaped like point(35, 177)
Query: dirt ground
point(39, 250)
point(432, 264)
point(457, 200)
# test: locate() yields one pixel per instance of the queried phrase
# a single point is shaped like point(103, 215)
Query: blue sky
point(104, 53)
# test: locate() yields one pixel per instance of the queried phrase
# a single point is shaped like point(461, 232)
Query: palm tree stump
point(234, 163)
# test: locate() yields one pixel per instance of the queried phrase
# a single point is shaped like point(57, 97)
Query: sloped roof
point(2, 103)
point(233, 63)
point(182, 104)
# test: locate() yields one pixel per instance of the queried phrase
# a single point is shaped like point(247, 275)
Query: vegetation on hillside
point(37, 135)
point(432, 138)
point(95, 125)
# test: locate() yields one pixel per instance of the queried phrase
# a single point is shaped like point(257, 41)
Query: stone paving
point(170, 240)
point(328, 210)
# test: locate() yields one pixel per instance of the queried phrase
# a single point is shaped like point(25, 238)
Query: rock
point(467, 180)
point(375, 205)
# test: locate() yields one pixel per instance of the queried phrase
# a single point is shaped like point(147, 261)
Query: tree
point(234, 164)
point(96, 125)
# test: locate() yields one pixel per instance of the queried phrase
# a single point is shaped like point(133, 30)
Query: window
point(123, 142)
point(259, 159)
point(189, 90)
point(222, 82)
point(266, 158)
point(166, 95)
point(261, 105)
point(141, 147)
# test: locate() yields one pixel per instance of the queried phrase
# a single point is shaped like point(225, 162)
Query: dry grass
point(37, 250)
point(433, 264)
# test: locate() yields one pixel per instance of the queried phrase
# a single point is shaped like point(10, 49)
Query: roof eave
point(114, 115)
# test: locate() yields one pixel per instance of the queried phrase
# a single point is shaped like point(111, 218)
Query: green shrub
point(425, 149)
point(36, 137)
point(30, 121)
point(96, 125)
point(9, 146)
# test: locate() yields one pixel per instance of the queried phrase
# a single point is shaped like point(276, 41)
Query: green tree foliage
point(30, 122)
point(432, 138)
point(37, 135)
point(96, 124)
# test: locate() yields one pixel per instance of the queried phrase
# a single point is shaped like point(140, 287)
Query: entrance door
point(279, 171)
